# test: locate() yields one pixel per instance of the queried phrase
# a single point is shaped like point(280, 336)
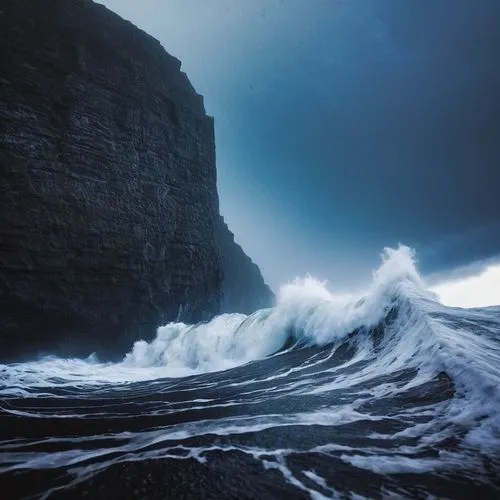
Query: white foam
point(306, 309)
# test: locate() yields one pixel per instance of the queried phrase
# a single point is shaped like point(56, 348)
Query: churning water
point(386, 395)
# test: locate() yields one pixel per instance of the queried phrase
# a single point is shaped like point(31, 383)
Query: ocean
point(386, 394)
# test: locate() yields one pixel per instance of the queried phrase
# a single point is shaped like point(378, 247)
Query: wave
point(306, 314)
point(397, 323)
point(407, 384)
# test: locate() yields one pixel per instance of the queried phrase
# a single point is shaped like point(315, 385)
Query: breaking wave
point(317, 392)
point(307, 314)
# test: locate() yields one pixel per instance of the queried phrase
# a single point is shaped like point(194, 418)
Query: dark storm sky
point(346, 126)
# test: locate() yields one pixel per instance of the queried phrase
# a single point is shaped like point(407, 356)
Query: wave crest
point(306, 312)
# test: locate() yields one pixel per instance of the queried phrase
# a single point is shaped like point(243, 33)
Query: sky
point(480, 289)
point(345, 126)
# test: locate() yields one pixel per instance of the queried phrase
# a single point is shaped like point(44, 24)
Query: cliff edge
point(240, 271)
point(109, 216)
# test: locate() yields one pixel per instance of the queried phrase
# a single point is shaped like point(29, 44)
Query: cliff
point(108, 199)
point(239, 271)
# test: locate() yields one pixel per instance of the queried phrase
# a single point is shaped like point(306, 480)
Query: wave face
point(389, 393)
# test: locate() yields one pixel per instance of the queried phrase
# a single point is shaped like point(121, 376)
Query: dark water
point(407, 406)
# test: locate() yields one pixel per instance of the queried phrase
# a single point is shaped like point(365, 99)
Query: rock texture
point(243, 288)
point(108, 201)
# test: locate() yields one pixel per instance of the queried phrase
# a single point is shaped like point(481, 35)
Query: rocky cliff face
point(108, 199)
point(243, 288)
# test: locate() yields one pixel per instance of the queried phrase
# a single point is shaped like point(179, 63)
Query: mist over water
point(323, 395)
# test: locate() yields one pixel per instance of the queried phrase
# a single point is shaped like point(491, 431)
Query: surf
point(388, 381)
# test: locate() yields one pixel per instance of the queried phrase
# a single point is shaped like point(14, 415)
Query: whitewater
point(384, 394)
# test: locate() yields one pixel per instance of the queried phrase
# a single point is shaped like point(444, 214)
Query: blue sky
point(346, 126)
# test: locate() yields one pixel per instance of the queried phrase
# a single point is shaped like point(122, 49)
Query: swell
point(405, 322)
point(392, 384)
point(306, 314)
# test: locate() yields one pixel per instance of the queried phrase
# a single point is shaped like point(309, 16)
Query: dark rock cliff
point(108, 199)
point(242, 278)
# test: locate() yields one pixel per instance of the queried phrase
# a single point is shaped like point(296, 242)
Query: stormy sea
point(388, 394)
